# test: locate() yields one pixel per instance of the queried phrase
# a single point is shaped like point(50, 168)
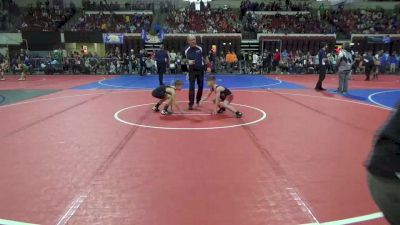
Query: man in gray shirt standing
point(345, 63)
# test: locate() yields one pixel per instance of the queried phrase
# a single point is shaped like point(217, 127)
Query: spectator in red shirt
point(275, 60)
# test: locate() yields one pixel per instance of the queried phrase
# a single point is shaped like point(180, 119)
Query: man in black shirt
point(142, 62)
point(212, 57)
point(369, 65)
point(132, 61)
point(162, 60)
point(322, 63)
point(125, 59)
point(383, 168)
point(267, 60)
point(3, 66)
point(195, 56)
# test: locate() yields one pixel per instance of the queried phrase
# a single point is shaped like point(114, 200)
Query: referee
point(162, 60)
point(195, 56)
point(322, 61)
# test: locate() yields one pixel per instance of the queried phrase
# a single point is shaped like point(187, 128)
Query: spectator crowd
point(371, 21)
point(92, 5)
point(112, 23)
point(8, 9)
point(206, 20)
point(299, 23)
point(287, 16)
point(44, 17)
point(278, 62)
point(287, 5)
point(298, 18)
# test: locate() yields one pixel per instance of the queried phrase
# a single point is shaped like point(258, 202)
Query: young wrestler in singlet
point(167, 95)
point(223, 97)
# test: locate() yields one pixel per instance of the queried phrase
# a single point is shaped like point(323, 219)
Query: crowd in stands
point(206, 20)
point(91, 5)
point(298, 62)
point(80, 62)
point(295, 62)
point(299, 23)
point(276, 62)
point(363, 21)
point(304, 21)
point(48, 17)
point(8, 9)
point(287, 5)
point(112, 23)
point(4, 19)
point(44, 17)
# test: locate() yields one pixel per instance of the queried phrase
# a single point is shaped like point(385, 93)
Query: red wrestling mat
point(200, 118)
point(67, 158)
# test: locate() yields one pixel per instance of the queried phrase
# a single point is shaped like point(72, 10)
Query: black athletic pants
point(142, 69)
point(161, 69)
point(368, 70)
point(195, 76)
point(321, 78)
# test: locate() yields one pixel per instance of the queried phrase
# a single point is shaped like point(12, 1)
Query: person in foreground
point(383, 168)
point(223, 97)
point(167, 95)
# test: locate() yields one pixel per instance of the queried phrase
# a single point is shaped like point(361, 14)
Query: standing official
point(195, 56)
point(322, 61)
point(212, 57)
point(3, 67)
point(132, 62)
point(142, 62)
point(345, 63)
point(369, 65)
point(162, 60)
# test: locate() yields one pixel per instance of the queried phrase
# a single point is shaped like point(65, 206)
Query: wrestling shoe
point(155, 109)
point(166, 112)
point(221, 110)
point(238, 114)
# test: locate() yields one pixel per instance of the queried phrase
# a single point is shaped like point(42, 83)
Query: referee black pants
point(161, 69)
point(321, 78)
point(195, 76)
point(368, 70)
point(142, 69)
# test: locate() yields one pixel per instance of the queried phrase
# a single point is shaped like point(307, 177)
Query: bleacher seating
point(278, 23)
point(45, 18)
point(363, 21)
point(132, 23)
point(188, 20)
